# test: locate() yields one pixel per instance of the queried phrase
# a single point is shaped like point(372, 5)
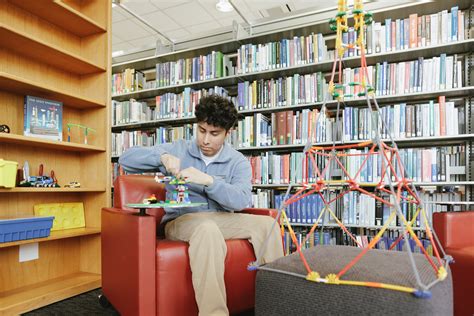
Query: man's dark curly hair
point(216, 110)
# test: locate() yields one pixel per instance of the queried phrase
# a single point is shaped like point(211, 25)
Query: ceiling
point(137, 24)
point(183, 20)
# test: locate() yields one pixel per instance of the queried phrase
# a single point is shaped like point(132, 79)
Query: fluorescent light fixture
point(224, 6)
point(117, 53)
point(113, 5)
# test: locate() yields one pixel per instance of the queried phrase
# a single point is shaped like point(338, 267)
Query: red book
point(442, 115)
point(413, 30)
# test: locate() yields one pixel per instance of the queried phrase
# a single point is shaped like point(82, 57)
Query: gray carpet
point(83, 304)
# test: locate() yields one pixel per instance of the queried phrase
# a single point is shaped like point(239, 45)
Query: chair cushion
point(173, 275)
point(283, 294)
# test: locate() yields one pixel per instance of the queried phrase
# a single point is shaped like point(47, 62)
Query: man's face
point(210, 138)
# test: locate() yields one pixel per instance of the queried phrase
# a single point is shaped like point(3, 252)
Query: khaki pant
point(206, 233)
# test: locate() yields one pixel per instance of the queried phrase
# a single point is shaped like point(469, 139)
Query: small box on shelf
point(14, 229)
point(8, 173)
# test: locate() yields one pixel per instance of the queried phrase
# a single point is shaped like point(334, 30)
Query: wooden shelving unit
point(58, 50)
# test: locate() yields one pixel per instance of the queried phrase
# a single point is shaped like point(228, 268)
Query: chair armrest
point(454, 229)
point(128, 261)
point(261, 211)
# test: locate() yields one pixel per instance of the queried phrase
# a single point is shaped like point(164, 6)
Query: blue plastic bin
point(13, 229)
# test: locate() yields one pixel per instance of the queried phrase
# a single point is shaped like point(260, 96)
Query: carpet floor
point(83, 304)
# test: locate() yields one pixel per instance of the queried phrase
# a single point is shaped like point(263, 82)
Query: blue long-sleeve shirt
point(231, 171)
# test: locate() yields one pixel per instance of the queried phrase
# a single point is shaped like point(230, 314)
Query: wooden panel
point(90, 246)
point(62, 189)
point(64, 15)
point(56, 259)
point(24, 44)
point(47, 76)
point(54, 235)
point(32, 297)
point(44, 143)
point(36, 27)
point(24, 86)
point(11, 107)
point(19, 204)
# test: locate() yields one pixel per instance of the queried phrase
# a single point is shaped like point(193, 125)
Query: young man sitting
point(220, 176)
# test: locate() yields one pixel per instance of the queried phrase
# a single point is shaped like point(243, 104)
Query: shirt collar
point(224, 156)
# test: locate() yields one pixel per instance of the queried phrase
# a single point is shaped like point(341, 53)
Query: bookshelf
point(57, 50)
point(461, 96)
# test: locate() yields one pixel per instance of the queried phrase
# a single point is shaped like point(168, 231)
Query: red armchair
point(145, 274)
point(455, 232)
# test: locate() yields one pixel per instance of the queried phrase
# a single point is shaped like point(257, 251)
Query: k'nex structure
point(392, 189)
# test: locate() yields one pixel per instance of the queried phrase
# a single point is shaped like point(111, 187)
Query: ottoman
point(284, 294)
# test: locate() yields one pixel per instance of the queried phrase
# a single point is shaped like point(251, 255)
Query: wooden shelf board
point(24, 86)
point(44, 143)
point(58, 234)
point(62, 15)
point(50, 190)
point(24, 44)
point(38, 295)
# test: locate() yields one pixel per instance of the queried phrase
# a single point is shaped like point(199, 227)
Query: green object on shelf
point(361, 94)
point(341, 13)
point(352, 84)
point(339, 86)
point(357, 11)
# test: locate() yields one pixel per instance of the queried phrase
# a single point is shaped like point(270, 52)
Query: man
point(221, 177)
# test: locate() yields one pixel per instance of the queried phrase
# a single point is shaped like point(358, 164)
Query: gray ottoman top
point(284, 294)
point(392, 267)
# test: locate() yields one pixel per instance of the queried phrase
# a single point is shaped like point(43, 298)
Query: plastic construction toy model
point(85, 128)
point(177, 197)
point(73, 184)
point(179, 194)
point(150, 200)
point(392, 189)
point(38, 181)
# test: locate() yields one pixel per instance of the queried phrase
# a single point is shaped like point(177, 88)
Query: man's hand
point(193, 175)
point(171, 163)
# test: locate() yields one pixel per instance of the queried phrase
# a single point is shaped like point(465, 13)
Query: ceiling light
point(224, 6)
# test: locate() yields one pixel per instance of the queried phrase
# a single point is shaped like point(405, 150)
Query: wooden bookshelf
point(28, 45)
point(65, 16)
point(58, 234)
point(47, 292)
point(58, 50)
point(17, 84)
point(44, 143)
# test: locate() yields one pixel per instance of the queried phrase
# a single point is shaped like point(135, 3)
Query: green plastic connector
point(341, 13)
point(352, 84)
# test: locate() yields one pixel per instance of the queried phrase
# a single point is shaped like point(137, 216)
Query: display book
point(385, 86)
point(43, 118)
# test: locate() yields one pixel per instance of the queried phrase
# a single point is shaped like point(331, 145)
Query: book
point(43, 118)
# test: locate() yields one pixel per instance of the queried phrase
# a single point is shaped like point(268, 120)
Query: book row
point(400, 121)
point(306, 239)
point(436, 164)
point(168, 105)
point(356, 209)
point(414, 31)
point(204, 67)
